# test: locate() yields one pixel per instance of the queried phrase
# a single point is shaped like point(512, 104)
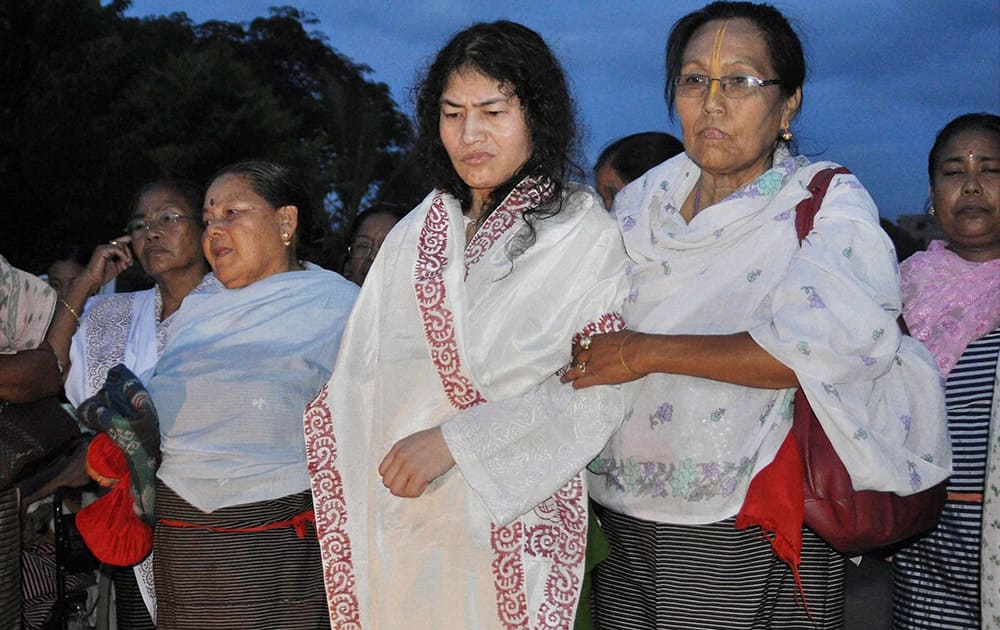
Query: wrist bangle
point(621, 352)
point(71, 310)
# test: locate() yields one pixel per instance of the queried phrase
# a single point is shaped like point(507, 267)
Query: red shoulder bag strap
point(806, 210)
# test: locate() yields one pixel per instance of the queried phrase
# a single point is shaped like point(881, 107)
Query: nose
point(713, 99)
point(972, 185)
point(472, 128)
point(212, 231)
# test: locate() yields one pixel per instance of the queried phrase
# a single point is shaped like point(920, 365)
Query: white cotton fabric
point(827, 309)
point(430, 562)
point(235, 374)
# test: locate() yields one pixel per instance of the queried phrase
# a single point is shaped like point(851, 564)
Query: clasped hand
point(607, 359)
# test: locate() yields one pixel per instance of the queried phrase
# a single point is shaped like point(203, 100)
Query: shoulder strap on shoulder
point(806, 210)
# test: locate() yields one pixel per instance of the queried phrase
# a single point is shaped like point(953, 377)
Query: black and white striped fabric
point(710, 577)
point(265, 580)
point(937, 578)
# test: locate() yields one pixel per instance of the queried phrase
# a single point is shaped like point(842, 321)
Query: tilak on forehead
point(715, 65)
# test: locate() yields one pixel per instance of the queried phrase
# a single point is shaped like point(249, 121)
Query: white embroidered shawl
point(236, 373)
point(827, 309)
point(119, 328)
point(470, 342)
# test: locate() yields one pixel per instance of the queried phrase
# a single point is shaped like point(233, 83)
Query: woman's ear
point(288, 217)
point(791, 107)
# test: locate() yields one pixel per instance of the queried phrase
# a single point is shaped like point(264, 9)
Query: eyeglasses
point(362, 250)
point(138, 227)
point(736, 86)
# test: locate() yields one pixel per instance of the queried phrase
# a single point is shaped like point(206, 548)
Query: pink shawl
point(948, 301)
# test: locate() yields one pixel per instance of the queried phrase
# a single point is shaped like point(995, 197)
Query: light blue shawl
point(237, 371)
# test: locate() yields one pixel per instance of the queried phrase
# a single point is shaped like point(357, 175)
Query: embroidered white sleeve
point(516, 453)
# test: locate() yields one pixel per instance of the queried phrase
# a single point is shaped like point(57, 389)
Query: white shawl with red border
point(471, 342)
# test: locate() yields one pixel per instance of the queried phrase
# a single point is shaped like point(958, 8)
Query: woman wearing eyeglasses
point(727, 314)
point(371, 228)
point(164, 236)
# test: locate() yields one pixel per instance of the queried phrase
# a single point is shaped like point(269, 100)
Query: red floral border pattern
point(439, 321)
point(331, 515)
point(530, 193)
point(560, 537)
point(607, 323)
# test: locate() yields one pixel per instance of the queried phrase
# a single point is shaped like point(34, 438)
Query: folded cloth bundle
point(118, 526)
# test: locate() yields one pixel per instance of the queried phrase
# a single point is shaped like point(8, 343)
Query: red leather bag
point(851, 521)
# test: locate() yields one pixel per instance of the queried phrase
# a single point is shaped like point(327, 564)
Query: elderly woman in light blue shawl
point(234, 545)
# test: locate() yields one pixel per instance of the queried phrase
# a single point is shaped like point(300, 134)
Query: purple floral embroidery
point(831, 389)
point(664, 185)
point(633, 296)
point(915, 480)
point(815, 301)
point(907, 422)
point(628, 223)
point(850, 182)
point(718, 233)
point(664, 413)
point(868, 361)
point(784, 216)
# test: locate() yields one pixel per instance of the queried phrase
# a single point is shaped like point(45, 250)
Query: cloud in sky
point(884, 76)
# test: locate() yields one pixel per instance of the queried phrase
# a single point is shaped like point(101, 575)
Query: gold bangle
point(71, 310)
point(621, 352)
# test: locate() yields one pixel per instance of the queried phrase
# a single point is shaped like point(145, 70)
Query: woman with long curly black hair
point(445, 457)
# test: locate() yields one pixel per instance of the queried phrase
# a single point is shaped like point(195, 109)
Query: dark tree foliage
point(94, 104)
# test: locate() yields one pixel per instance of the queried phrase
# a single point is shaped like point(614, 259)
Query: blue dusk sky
point(884, 76)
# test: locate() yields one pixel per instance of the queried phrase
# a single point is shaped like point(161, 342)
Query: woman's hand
point(605, 359)
point(107, 261)
point(415, 461)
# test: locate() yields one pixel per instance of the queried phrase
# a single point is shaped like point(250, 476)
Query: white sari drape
point(462, 338)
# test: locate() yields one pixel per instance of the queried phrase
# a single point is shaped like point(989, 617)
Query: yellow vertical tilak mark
point(716, 64)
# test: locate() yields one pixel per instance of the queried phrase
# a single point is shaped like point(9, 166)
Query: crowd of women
point(533, 398)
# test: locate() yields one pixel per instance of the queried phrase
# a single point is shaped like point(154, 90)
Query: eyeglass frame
point(140, 227)
point(371, 247)
point(757, 82)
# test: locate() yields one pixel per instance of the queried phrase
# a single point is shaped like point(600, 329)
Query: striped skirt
point(268, 579)
point(711, 577)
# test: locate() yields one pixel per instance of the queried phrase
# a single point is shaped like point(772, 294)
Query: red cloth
point(110, 526)
point(775, 502)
